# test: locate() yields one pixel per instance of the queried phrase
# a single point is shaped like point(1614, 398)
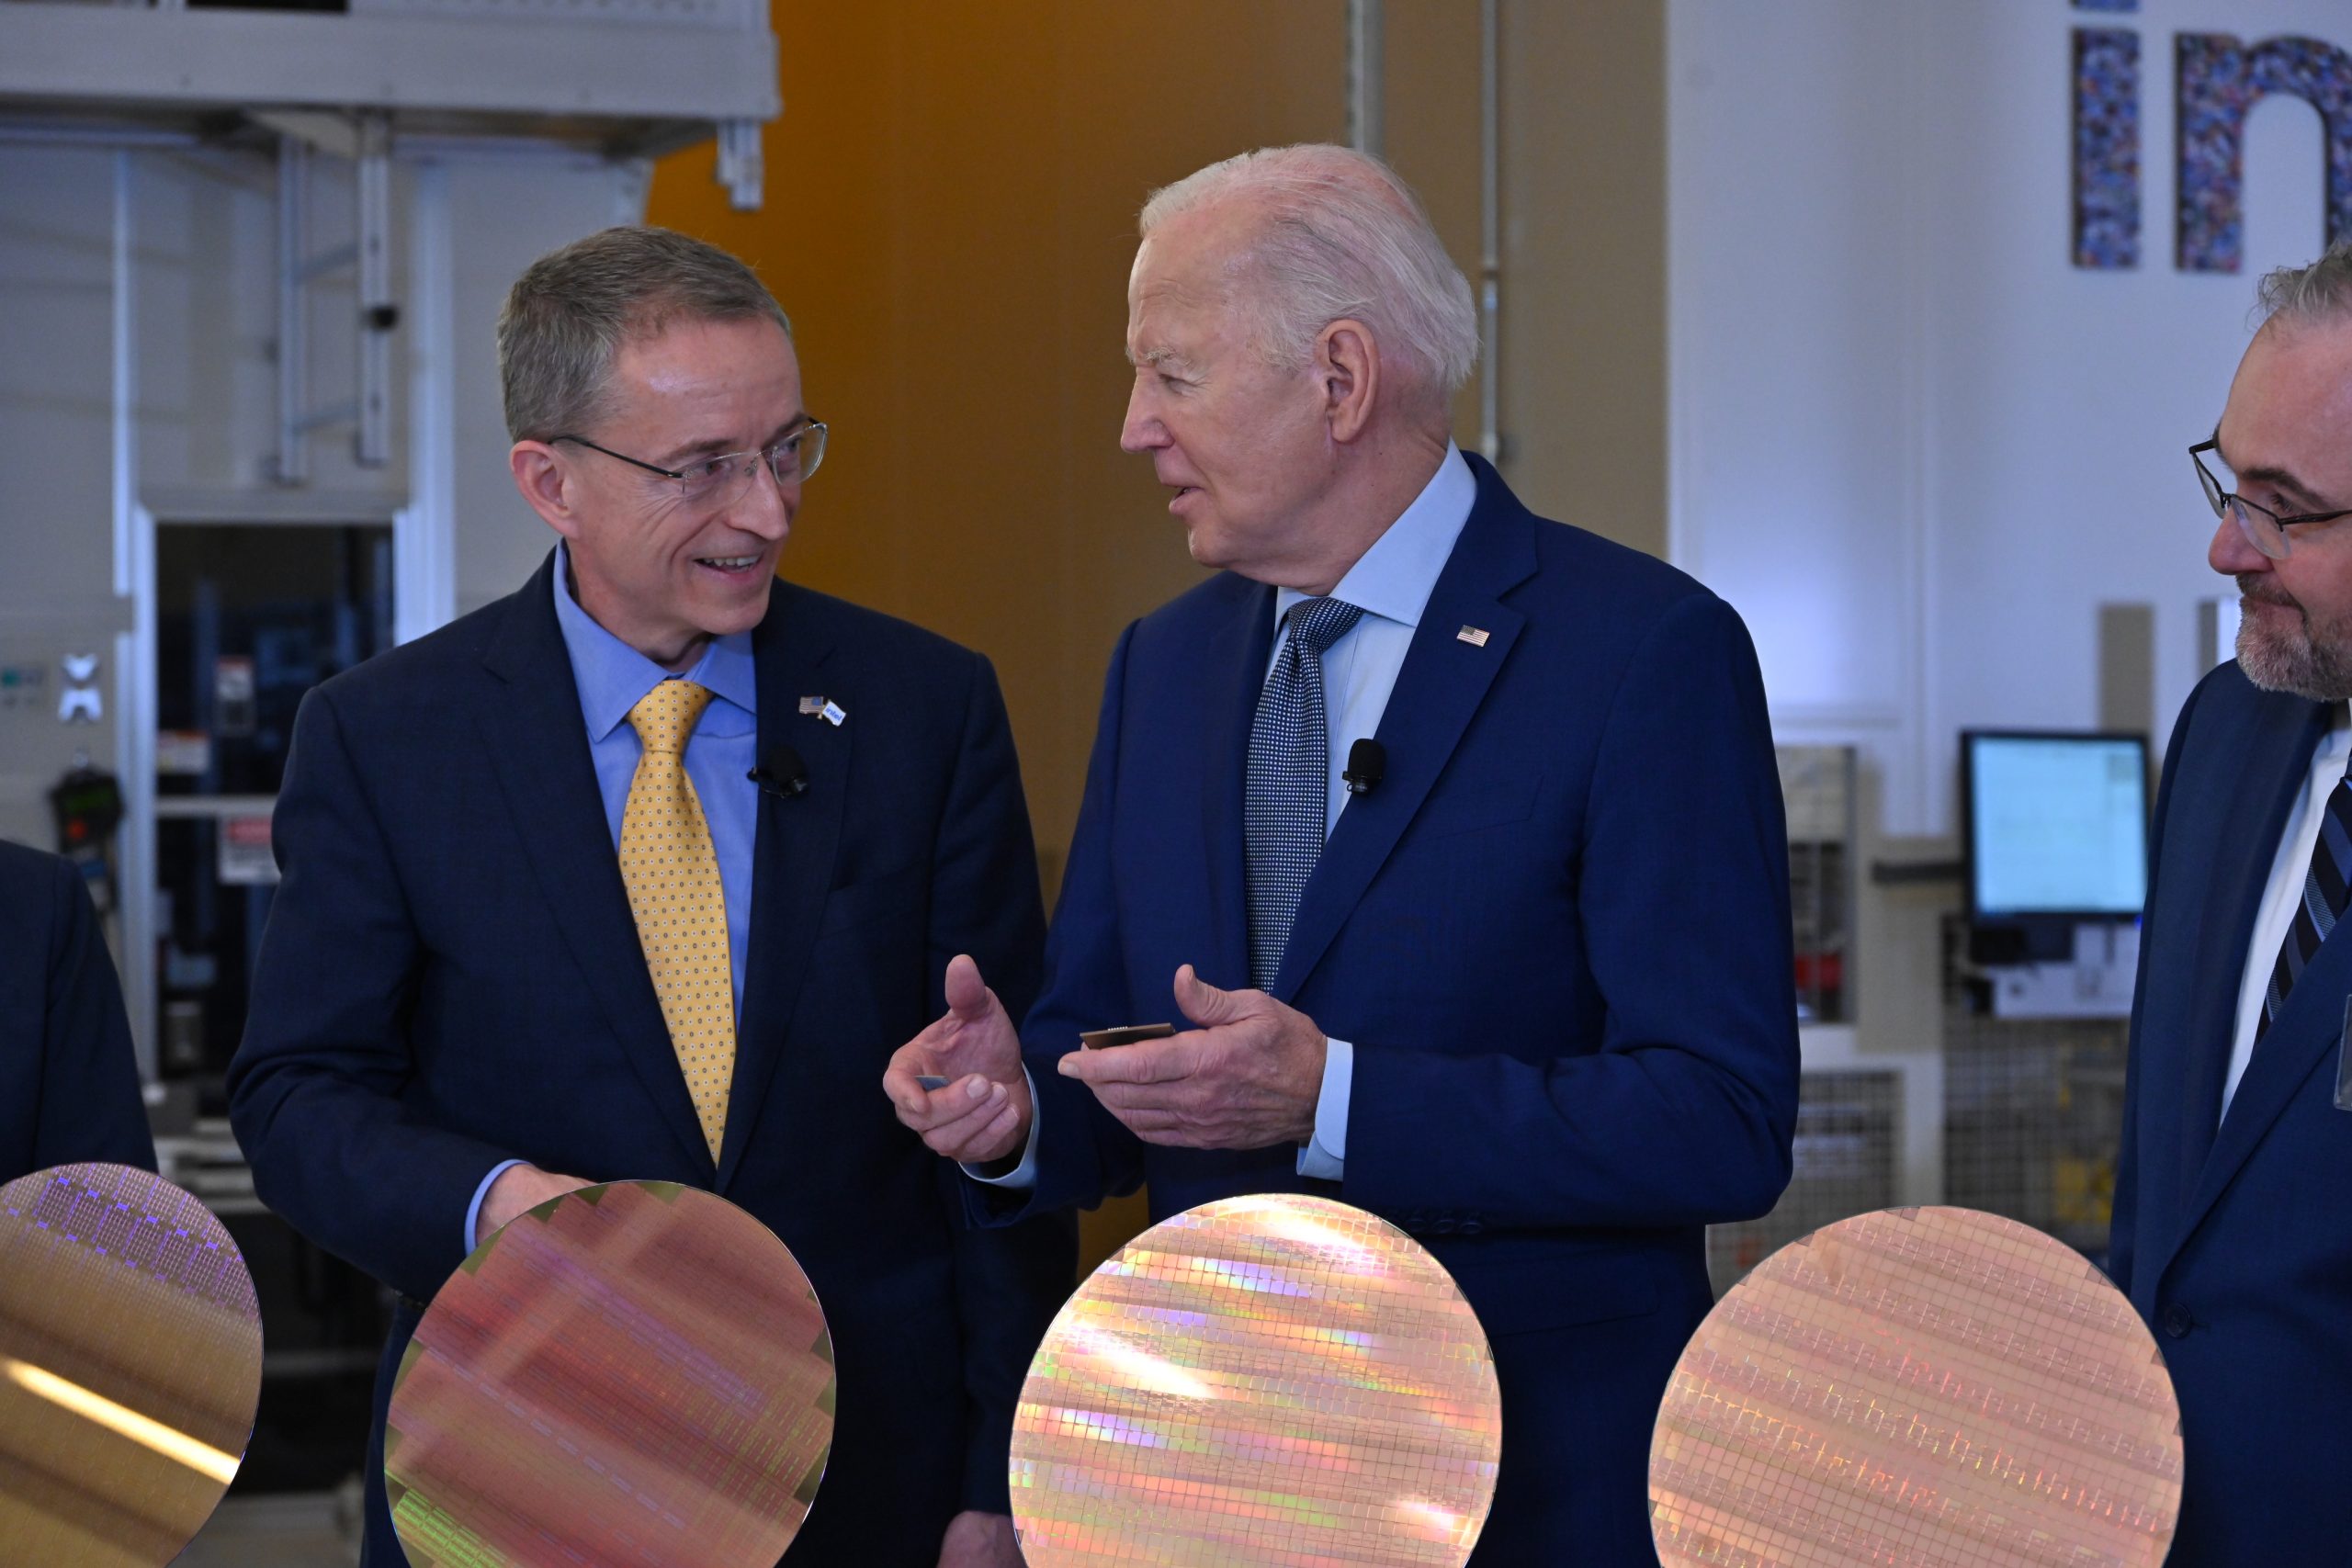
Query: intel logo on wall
point(2217, 79)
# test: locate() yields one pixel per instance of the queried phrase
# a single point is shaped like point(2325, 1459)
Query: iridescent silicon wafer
point(1276, 1380)
point(129, 1367)
point(637, 1372)
point(1919, 1388)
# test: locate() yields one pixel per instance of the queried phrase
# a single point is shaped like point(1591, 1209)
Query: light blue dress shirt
point(613, 678)
point(1391, 582)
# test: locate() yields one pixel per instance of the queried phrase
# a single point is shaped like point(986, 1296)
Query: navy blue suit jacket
point(451, 977)
point(69, 1082)
point(1557, 934)
point(2230, 1234)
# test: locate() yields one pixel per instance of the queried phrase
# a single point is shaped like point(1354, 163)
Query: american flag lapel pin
point(812, 705)
point(1474, 635)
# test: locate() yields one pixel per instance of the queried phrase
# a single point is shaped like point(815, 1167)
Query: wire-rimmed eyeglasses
point(712, 483)
point(2264, 529)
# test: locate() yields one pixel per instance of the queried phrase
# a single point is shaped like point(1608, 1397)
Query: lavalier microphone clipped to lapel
point(781, 774)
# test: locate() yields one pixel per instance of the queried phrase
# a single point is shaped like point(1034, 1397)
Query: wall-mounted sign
point(2217, 79)
point(183, 752)
point(23, 685)
point(245, 859)
point(79, 703)
point(232, 696)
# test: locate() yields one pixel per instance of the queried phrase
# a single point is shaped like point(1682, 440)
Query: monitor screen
point(2056, 824)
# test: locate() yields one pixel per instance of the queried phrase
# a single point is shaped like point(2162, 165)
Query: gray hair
point(1339, 237)
point(2310, 295)
point(572, 310)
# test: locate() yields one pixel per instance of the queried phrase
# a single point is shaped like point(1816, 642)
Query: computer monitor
point(2055, 829)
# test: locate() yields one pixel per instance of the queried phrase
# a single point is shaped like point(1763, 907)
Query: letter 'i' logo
point(2217, 79)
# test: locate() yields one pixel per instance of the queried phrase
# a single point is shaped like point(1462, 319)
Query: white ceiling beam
point(107, 56)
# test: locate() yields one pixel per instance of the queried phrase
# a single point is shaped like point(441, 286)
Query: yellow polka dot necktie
point(674, 890)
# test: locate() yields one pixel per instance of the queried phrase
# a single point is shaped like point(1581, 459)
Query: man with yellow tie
point(643, 873)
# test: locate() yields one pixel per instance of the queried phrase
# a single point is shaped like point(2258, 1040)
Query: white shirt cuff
point(473, 1210)
point(1325, 1156)
point(1021, 1177)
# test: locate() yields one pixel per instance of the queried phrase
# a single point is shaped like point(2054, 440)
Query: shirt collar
point(614, 677)
point(1395, 579)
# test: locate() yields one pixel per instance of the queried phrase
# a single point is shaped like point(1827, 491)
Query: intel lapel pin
point(833, 713)
point(1474, 635)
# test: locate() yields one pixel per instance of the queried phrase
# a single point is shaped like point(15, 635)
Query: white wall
point(203, 241)
point(56, 475)
point(202, 291)
point(1910, 441)
point(503, 213)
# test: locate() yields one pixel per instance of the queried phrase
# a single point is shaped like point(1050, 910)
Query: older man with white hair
point(1453, 832)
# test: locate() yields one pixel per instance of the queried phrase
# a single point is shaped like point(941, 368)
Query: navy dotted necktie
point(1289, 780)
point(2325, 885)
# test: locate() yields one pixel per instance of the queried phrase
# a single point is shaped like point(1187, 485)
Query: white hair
point(2311, 295)
point(1338, 237)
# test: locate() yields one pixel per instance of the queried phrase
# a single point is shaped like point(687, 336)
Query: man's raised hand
point(983, 1112)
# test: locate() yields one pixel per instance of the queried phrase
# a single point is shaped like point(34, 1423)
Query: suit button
point(2177, 1321)
point(1472, 1225)
point(1443, 1225)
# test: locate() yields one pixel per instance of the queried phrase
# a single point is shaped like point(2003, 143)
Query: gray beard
point(2311, 666)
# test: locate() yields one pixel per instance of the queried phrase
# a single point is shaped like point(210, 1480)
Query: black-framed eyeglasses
point(2264, 529)
point(712, 483)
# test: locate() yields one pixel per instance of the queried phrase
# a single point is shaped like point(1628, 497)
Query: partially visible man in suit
point(1532, 1000)
point(488, 976)
point(69, 1082)
point(2230, 1234)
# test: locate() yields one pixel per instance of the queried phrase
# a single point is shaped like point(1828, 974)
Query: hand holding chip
point(1248, 1078)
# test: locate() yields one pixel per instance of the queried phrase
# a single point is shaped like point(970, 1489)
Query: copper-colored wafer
point(1918, 1387)
point(129, 1367)
point(637, 1372)
point(1274, 1380)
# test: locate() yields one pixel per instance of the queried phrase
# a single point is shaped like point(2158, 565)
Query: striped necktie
point(671, 874)
point(1289, 780)
point(2326, 884)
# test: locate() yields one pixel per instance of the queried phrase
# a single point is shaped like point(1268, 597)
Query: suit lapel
point(792, 855)
point(2273, 755)
point(2277, 759)
point(1236, 672)
point(538, 744)
point(1438, 689)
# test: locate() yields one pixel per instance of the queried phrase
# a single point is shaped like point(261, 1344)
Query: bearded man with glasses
point(642, 873)
point(2231, 1232)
